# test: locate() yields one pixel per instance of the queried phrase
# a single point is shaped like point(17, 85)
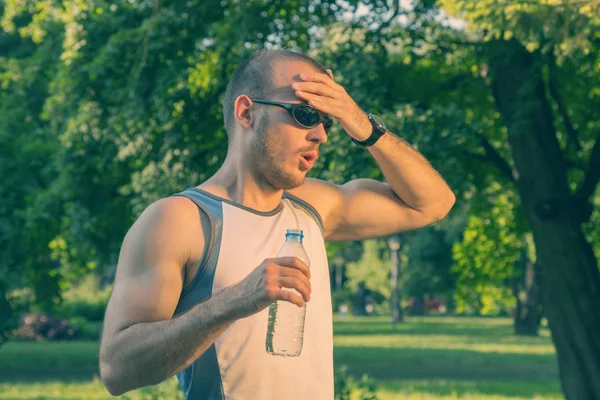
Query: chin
point(287, 181)
point(291, 183)
point(283, 177)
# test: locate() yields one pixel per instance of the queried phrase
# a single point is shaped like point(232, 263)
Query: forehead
point(286, 72)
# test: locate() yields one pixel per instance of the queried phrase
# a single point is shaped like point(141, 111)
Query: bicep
point(149, 276)
point(367, 208)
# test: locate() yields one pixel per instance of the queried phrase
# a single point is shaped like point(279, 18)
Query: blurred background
point(106, 107)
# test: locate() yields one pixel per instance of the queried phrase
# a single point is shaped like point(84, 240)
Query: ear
point(244, 111)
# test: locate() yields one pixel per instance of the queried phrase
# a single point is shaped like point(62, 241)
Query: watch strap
point(375, 135)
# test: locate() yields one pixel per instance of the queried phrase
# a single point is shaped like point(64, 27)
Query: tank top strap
point(299, 204)
point(213, 209)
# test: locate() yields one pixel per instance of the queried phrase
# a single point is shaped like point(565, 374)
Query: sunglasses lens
point(307, 116)
point(327, 124)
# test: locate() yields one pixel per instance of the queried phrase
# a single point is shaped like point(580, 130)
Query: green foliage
point(429, 253)
point(85, 300)
point(536, 23)
point(370, 269)
point(349, 388)
point(486, 257)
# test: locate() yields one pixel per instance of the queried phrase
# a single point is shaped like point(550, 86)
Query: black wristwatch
point(379, 129)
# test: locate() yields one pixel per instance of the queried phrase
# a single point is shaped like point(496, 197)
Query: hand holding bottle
point(271, 281)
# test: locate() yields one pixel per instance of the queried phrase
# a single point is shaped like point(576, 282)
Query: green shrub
point(349, 388)
point(84, 329)
point(85, 300)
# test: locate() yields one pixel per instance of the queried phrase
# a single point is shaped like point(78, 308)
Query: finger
point(318, 77)
point(286, 272)
point(298, 284)
point(316, 88)
point(326, 106)
point(330, 74)
point(287, 295)
point(293, 262)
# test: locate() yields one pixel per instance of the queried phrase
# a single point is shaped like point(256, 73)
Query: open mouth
point(310, 157)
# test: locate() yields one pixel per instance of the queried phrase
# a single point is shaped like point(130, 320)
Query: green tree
point(538, 59)
point(371, 271)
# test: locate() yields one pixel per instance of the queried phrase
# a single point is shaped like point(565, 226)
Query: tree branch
point(492, 155)
point(387, 23)
point(572, 136)
point(144, 59)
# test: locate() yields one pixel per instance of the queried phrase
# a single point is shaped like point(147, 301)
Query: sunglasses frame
point(292, 107)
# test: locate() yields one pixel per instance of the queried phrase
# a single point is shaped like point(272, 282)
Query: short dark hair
point(253, 77)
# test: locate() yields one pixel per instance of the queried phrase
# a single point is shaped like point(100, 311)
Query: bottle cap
point(294, 232)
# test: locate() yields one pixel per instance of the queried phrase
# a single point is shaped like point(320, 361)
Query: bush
point(90, 309)
point(85, 300)
point(85, 329)
point(43, 326)
point(349, 388)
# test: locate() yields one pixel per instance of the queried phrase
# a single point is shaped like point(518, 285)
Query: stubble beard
point(267, 159)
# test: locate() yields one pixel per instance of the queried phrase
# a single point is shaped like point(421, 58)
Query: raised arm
point(142, 344)
point(414, 196)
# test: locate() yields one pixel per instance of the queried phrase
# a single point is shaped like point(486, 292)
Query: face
point(282, 151)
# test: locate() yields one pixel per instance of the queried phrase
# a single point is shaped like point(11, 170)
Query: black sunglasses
point(305, 115)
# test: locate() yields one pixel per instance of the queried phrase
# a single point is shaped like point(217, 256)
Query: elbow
point(451, 200)
point(110, 379)
point(114, 380)
point(440, 211)
point(118, 381)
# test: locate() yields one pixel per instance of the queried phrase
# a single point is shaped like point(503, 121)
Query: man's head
point(274, 146)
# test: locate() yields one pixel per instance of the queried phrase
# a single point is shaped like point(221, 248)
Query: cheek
point(276, 146)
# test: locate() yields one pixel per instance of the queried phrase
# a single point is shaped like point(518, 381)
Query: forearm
point(148, 353)
point(411, 176)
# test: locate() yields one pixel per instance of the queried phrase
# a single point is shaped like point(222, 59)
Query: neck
point(237, 181)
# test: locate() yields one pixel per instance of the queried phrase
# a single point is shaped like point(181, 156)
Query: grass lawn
point(430, 358)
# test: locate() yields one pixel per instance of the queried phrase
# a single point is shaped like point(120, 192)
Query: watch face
point(379, 122)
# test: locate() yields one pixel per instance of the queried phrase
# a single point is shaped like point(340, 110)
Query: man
point(197, 270)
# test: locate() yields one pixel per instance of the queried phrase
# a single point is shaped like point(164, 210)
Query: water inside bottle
point(285, 331)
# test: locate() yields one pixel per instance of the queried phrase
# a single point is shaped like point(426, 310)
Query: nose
point(317, 135)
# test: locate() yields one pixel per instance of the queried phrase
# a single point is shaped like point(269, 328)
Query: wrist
point(363, 128)
point(378, 129)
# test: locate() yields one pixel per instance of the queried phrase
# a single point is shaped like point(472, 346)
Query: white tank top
point(237, 366)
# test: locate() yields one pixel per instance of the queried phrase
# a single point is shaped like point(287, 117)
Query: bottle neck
point(293, 239)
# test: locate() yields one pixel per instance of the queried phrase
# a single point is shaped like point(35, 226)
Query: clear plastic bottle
point(285, 332)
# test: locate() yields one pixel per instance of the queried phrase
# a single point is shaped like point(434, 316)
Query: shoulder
point(325, 197)
point(171, 224)
point(317, 192)
point(169, 212)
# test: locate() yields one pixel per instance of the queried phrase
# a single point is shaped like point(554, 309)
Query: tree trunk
point(528, 311)
point(6, 314)
point(569, 279)
point(360, 300)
